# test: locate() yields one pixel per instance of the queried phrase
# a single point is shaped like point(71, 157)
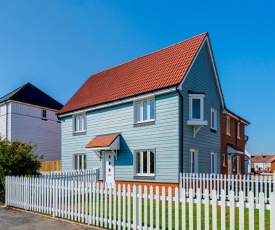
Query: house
point(29, 115)
point(233, 140)
point(247, 162)
point(264, 162)
point(149, 119)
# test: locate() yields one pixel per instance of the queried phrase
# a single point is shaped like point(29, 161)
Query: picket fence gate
point(236, 183)
point(134, 207)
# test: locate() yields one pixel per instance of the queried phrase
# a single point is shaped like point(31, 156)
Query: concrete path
point(11, 219)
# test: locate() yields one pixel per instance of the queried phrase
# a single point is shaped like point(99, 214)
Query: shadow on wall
point(124, 155)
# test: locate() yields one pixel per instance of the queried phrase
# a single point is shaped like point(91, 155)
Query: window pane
point(80, 161)
point(152, 109)
point(145, 162)
point(145, 111)
point(212, 163)
point(75, 161)
point(212, 119)
point(138, 162)
point(85, 162)
point(80, 123)
point(138, 111)
point(196, 113)
point(152, 163)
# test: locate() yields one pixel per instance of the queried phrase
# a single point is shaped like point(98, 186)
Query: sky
point(57, 45)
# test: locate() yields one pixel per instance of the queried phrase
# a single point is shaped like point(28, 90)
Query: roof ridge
point(102, 71)
point(13, 92)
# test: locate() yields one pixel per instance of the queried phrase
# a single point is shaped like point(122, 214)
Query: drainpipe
point(181, 129)
point(7, 120)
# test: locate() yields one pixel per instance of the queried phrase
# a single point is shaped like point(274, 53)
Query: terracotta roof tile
point(161, 69)
point(263, 158)
point(102, 141)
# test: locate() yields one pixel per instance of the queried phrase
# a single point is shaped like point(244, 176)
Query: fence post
point(272, 208)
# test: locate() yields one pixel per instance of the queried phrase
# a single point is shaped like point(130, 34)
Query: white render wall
point(26, 124)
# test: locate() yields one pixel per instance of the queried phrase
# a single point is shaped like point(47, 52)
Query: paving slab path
point(15, 219)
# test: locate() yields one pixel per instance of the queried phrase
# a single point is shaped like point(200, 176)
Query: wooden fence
point(47, 166)
point(129, 208)
point(235, 183)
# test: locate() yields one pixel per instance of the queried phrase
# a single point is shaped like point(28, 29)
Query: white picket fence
point(87, 175)
point(236, 183)
point(134, 207)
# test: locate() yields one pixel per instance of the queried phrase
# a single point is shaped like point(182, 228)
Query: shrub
point(16, 159)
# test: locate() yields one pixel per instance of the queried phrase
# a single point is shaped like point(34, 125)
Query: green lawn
point(246, 214)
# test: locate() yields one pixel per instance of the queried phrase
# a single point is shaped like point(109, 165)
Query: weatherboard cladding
point(201, 79)
point(163, 136)
point(161, 69)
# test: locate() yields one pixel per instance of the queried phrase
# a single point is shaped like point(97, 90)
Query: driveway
point(16, 219)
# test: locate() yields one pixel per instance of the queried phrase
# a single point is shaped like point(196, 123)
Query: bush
point(16, 159)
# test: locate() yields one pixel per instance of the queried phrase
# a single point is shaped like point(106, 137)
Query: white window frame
point(214, 118)
point(76, 160)
point(76, 126)
point(44, 113)
point(228, 126)
point(142, 120)
point(201, 98)
point(141, 162)
point(193, 156)
point(213, 158)
point(238, 130)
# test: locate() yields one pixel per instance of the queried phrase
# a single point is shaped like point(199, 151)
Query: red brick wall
point(231, 139)
point(148, 184)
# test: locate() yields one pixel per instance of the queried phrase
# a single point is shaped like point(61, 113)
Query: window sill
point(213, 130)
point(145, 123)
point(144, 177)
point(197, 122)
point(44, 119)
point(228, 134)
point(238, 138)
point(79, 133)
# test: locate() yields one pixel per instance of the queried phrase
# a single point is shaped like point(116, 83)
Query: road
point(15, 219)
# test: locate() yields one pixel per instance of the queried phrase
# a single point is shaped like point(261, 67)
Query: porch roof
point(232, 149)
point(105, 142)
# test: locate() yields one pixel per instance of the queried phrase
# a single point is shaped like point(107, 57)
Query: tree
point(16, 159)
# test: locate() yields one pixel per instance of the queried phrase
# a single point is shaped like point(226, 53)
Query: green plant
point(16, 159)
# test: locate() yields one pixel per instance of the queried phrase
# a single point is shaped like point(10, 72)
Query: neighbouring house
point(247, 162)
point(264, 162)
point(29, 115)
point(149, 119)
point(233, 140)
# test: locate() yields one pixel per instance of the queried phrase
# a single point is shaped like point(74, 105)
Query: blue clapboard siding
point(201, 79)
point(163, 136)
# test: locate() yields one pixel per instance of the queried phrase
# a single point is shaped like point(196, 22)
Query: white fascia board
point(237, 118)
point(206, 40)
point(122, 101)
point(231, 150)
point(31, 105)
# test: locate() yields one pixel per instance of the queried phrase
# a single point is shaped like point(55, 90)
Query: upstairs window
point(213, 119)
point(196, 105)
point(44, 113)
point(145, 163)
point(144, 110)
point(79, 123)
point(238, 131)
point(228, 125)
